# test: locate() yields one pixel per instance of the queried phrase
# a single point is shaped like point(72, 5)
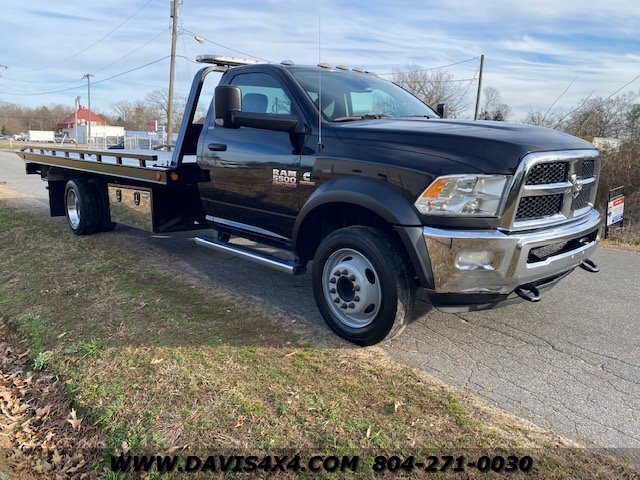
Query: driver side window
point(261, 93)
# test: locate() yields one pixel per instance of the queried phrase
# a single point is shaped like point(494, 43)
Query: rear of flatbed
point(116, 186)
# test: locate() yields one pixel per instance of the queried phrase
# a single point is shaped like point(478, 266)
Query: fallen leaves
point(74, 420)
point(40, 435)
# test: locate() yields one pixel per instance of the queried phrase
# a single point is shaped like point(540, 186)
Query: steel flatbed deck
point(126, 164)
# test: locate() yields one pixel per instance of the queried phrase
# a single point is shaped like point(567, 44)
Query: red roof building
point(83, 116)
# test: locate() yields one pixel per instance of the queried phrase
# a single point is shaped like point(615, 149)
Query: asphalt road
point(570, 363)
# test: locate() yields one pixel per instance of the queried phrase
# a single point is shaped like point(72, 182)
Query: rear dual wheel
point(86, 207)
point(363, 284)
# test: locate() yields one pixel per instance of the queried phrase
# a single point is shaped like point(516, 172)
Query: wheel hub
point(73, 209)
point(351, 288)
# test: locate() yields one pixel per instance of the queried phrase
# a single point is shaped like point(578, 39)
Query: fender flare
point(382, 200)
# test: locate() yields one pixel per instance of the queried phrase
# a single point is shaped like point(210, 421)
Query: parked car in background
point(64, 138)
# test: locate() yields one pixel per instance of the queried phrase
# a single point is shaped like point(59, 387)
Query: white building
point(76, 126)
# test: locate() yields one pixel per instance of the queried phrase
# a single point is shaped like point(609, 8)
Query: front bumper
point(512, 263)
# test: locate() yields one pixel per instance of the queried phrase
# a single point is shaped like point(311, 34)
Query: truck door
point(253, 171)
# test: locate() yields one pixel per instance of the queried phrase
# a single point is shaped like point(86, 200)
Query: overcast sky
point(534, 49)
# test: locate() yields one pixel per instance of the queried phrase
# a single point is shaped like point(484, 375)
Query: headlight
point(463, 195)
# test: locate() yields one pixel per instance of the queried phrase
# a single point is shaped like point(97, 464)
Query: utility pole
point(174, 38)
point(88, 77)
point(475, 117)
point(75, 117)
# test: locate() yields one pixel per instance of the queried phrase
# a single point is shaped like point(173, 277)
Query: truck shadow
point(286, 299)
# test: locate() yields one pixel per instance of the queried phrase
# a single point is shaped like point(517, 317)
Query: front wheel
point(362, 284)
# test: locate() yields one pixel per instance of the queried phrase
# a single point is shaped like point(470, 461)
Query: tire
point(106, 225)
point(362, 284)
point(82, 207)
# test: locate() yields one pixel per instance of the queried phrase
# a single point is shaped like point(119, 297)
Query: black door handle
point(217, 147)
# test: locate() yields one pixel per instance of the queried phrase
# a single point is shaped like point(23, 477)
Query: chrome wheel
point(73, 208)
point(351, 288)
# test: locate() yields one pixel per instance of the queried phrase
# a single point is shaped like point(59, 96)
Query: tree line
point(132, 115)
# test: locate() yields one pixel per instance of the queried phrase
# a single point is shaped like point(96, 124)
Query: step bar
point(262, 258)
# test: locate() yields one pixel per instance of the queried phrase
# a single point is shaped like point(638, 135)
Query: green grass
point(157, 363)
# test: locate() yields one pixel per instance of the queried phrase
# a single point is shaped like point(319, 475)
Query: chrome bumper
point(509, 266)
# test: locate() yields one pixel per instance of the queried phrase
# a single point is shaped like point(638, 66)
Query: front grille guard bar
point(518, 189)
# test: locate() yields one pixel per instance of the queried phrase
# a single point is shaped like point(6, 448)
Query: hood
point(492, 147)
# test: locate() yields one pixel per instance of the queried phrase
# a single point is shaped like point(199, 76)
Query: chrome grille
point(582, 200)
point(551, 187)
point(538, 207)
point(588, 168)
point(554, 172)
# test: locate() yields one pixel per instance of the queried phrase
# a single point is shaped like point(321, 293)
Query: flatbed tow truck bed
point(126, 164)
point(146, 191)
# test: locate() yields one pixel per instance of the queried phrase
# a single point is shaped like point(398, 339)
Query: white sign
point(615, 211)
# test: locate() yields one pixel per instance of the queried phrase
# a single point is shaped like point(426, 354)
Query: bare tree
point(601, 117)
point(542, 120)
point(493, 108)
point(433, 87)
point(134, 115)
point(158, 102)
point(16, 119)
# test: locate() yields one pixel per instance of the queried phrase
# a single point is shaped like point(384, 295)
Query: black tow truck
point(350, 172)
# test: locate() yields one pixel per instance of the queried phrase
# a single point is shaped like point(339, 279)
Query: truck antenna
point(319, 84)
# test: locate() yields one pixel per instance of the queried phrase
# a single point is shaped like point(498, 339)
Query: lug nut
point(352, 305)
point(333, 290)
point(343, 306)
point(337, 273)
point(337, 300)
point(352, 278)
point(356, 288)
point(345, 272)
point(356, 299)
point(333, 280)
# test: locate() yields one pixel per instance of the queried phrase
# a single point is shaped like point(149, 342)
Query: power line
point(94, 43)
point(475, 75)
point(93, 83)
point(28, 94)
point(604, 100)
point(599, 104)
point(433, 68)
point(131, 70)
point(134, 50)
point(559, 97)
point(95, 71)
point(454, 80)
point(224, 46)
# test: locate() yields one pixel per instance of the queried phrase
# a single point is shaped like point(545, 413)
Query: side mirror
point(229, 114)
point(265, 121)
point(442, 110)
point(228, 99)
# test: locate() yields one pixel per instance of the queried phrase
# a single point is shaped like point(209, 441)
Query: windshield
point(354, 96)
